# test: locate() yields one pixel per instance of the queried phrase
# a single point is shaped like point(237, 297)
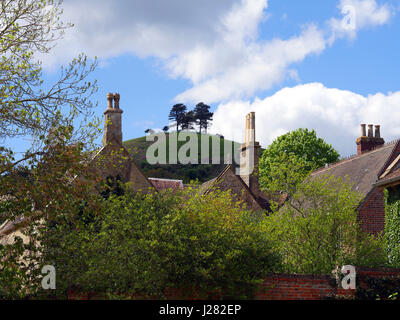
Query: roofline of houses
point(353, 157)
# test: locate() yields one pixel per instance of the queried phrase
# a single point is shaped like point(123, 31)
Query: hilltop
point(203, 172)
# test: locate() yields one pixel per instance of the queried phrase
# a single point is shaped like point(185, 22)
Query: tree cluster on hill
point(187, 119)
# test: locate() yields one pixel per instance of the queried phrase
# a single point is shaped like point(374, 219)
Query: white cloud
point(257, 66)
point(240, 64)
point(214, 44)
point(156, 28)
point(335, 114)
point(358, 14)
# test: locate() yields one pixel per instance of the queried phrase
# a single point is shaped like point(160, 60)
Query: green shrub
point(143, 244)
point(317, 231)
point(392, 228)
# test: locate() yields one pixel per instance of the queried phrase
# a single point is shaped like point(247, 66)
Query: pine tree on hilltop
point(188, 120)
point(177, 114)
point(203, 115)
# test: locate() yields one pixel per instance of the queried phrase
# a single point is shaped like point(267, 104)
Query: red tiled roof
point(162, 184)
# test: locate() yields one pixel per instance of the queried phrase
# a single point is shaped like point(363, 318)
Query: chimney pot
point(116, 100)
point(370, 131)
point(370, 142)
point(377, 131)
point(363, 130)
point(109, 100)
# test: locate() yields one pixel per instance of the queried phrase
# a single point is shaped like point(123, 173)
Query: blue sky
point(295, 63)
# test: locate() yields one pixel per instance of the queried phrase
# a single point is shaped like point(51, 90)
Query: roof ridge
point(386, 164)
point(165, 179)
point(354, 156)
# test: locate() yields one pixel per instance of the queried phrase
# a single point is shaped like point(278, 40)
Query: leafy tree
point(13, 278)
point(203, 115)
point(392, 225)
point(316, 230)
point(286, 174)
point(37, 193)
point(311, 151)
point(56, 117)
point(177, 114)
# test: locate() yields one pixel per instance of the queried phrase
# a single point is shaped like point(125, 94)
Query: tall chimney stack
point(250, 155)
point(113, 125)
point(368, 143)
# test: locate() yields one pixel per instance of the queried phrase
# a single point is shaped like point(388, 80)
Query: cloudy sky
point(325, 65)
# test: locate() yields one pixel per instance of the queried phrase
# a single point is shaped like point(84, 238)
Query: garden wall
point(293, 287)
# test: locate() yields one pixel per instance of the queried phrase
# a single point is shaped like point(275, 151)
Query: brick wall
point(285, 287)
point(315, 287)
point(297, 287)
point(371, 213)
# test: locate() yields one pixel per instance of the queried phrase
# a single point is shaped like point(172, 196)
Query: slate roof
point(362, 170)
point(208, 185)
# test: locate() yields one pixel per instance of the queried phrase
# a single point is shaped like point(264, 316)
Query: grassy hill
point(203, 172)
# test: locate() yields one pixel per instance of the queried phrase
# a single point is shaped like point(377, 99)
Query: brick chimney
point(113, 129)
point(369, 142)
point(249, 156)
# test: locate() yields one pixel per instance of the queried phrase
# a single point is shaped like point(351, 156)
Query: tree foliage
point(311, 152)
point(29, 28)
point(144, 244)
point(55, 117)
point(177, 114)
point(316, 230)
point(392, 225)
point(203, 116)
point(14, 281)
point(188, 119)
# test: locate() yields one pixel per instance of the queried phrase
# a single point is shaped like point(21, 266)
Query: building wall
point(114, 160)
point(9, 238)
point(371, 213)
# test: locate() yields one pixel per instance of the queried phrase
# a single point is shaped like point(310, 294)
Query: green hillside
point(203, 172)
